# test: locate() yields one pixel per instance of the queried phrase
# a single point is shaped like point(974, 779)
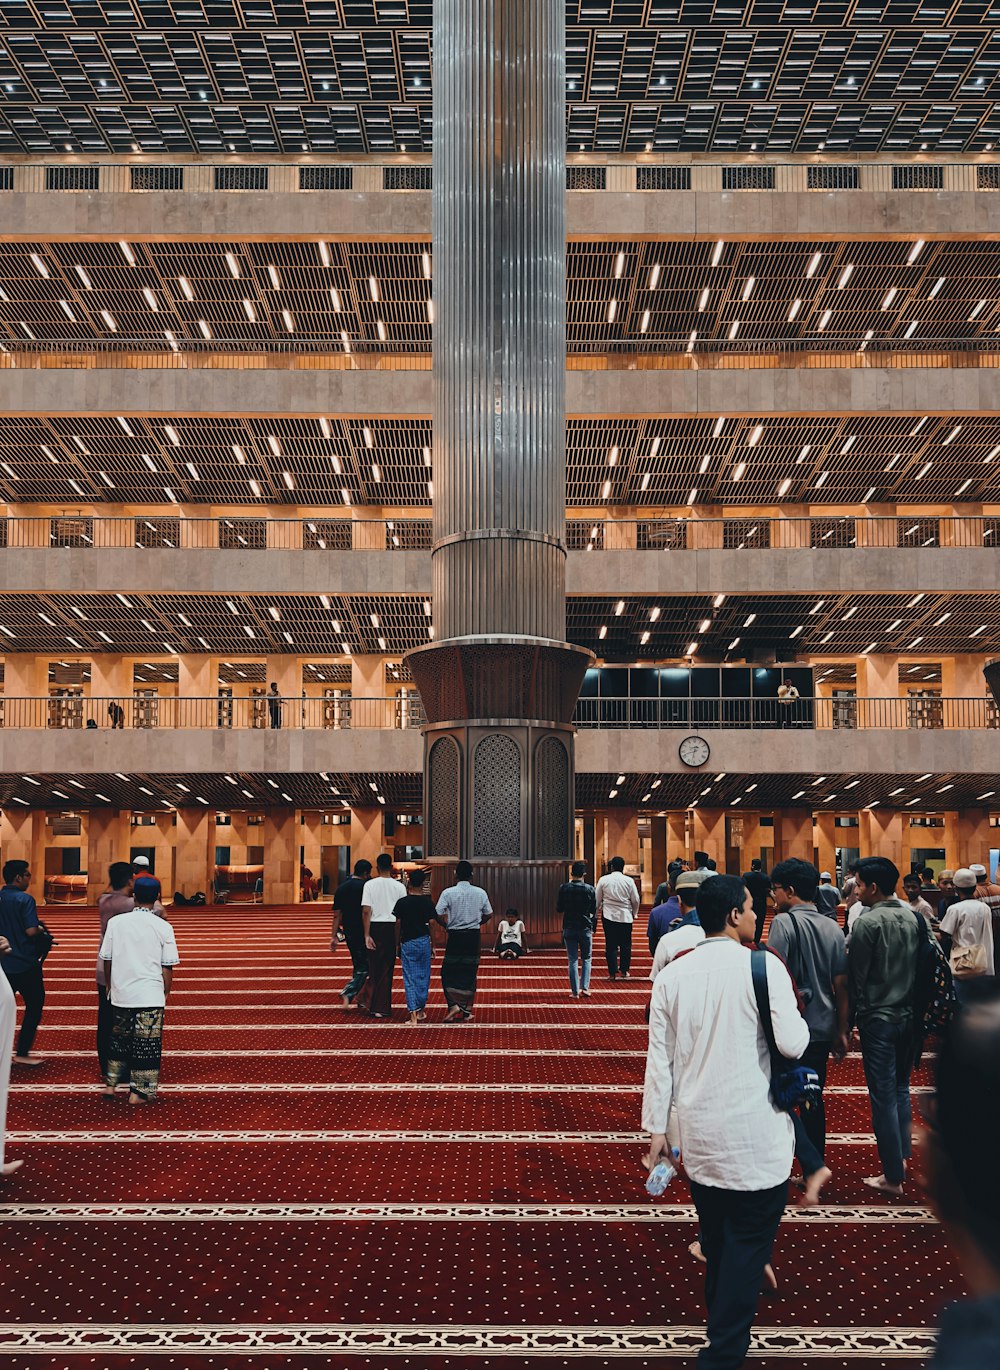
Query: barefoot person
point(414, 913)
point(139, 953)
point(8, 1019)
point(463, 908)
point(378, 900)
point(21, 966)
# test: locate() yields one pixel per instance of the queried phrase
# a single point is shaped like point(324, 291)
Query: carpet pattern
point(315, 1188)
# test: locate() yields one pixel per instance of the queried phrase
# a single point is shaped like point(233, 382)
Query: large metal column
point(500, 683)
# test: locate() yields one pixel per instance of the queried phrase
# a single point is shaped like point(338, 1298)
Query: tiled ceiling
point(622, 295)
point(402, 792)
point(354, 76)
point(158, 626)
point(651, 463)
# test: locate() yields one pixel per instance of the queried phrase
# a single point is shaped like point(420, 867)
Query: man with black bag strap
point(30, 943)
point(812, 946)
point(708, 1057)
point(889, 944)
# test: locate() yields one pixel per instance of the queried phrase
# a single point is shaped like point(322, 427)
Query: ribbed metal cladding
point(500, 320)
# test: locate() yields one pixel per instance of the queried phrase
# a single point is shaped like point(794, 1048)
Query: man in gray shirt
point(463, 908)
point(812, 946)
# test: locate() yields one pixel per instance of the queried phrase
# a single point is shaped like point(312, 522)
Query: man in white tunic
point(709, 1058)
point(8, 1020)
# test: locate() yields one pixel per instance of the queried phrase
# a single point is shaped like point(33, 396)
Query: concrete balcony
point(633, 736)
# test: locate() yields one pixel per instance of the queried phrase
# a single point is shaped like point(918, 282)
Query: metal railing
point(258, 533)
point(403, 711)
point(588, 173)
point(68, 710)
point(819, 714)
point(596, 350)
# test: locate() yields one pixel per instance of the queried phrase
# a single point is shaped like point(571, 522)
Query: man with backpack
point(812, 946)
point(882, 969)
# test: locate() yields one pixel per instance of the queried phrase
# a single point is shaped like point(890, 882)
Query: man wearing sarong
point(378, 900)
point(139, 953)
point(463, 908)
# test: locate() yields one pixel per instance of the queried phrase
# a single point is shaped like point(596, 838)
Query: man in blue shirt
point(19, 924)
point(662, 916)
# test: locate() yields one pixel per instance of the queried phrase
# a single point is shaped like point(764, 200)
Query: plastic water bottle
point(659, 1177)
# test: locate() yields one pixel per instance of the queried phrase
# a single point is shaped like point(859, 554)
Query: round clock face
point(694, 751)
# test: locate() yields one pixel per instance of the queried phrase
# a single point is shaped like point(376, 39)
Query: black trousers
point(737, 1233)
point(617, 946)
point(30, 986)
point(813, 1116)
point(105, 1022)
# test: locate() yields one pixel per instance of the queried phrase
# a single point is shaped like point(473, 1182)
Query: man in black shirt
point(759, 886)
point(347, 915)
point(577, 902)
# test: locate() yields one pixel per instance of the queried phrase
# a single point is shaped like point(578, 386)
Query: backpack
point(934, 1001)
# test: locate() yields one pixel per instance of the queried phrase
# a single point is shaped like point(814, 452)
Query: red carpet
point(317, 1189)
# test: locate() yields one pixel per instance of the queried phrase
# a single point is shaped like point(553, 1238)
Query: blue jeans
point(416, 958)
point(579, 945)
point(887, 1051)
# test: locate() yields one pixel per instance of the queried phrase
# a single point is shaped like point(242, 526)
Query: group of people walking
point(739, 1046)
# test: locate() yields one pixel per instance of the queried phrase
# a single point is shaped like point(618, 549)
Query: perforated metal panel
point(496, 822)
point(551, 800)
point(444, 785)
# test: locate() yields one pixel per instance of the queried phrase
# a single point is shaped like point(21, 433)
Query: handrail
point(588, 173)
point(248, 532)
point(340, 710)
point(66, 710)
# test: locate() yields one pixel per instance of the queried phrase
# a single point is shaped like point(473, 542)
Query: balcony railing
point(589, 348)
point(589, 173)
point(257, 533)
point(861, 714)
point(223, 712)
point(403, 711)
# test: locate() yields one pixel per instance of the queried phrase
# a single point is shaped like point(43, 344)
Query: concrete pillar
point(22, 838)
point(194, 851)
point(281, 856)
point(705, 527)
point(368, 529)
point(962, 679)
point(114, 530)
point(878, 689)
point(793, 835)
point(109, 833)
point(751, 840)
point(968, 837)
point(283, 530)
point(26, 680)
point(197, 692)
point(366, 835)
point(623, 835)
point(826, 842)
point(876, 527)
point(677, 843)
point(658, 858)
point(370, 707)
point(621, 533)
point(880, 833)
point(963, 526)
point(793, 528)
point(27, 531)
point(197, 529)
point(708, 834)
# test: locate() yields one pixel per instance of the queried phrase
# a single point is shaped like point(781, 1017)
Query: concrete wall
point(778, 390)
point(896, 752)
point(590, 214)
point(700, 571)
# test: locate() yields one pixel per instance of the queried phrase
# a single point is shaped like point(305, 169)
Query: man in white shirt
point(708, 1057)
point(139, 953)
point(378, 901)
point(688, 932)
point(617, 906)
point(968, 925)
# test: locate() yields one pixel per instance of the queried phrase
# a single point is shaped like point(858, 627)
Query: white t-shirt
point(138, 945)
point(381, 895)
point(671, 944)
point(511, 932)
point(969, 923)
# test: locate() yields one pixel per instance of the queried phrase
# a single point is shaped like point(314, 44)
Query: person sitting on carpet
point(464, 908)
point(960, 1151)
point(511, 943)
point(139, 953)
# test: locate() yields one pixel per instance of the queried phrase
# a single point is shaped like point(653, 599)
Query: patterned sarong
point(134, 1051)
point(459, 968)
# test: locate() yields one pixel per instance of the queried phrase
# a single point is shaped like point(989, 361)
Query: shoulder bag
point(791, 1085)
